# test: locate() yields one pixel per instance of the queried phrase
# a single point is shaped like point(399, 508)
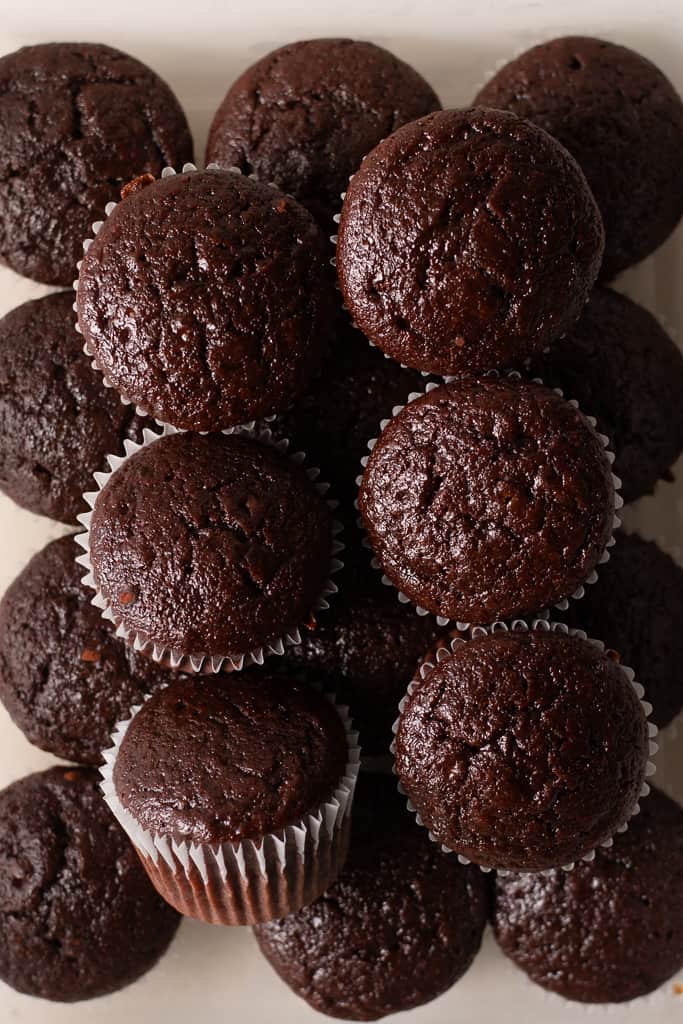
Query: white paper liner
point(592, 577)
point(521, 625)
point(196, 661)
point(141, 410)
point(251, 881)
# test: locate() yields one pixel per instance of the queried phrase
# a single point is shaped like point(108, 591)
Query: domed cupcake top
point(205, 297)
point(488, 498)
point(208, 761)
point(523, 750)
point(468, 240)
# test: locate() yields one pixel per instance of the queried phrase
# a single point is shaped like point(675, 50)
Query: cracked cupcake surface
point(78, 916)
point(78, 121)
point(468, 240)
point(487, 499)
point(205, 299)
point(523, 750)
point(210, 545)
point(57, 420)
point(305, 115)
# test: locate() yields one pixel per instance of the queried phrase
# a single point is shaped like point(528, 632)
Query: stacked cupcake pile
point(211, 653)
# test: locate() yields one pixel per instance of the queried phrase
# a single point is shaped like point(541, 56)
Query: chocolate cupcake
point(79, 119)
point(64, 677)
point(237, 796)
point(622, 120)
point(78, 916)
point(401, 924)
point(620, 364)
point(332, 422)
point(208, 548)
point(468, 241)
point(611, 930)
point(57, 420)
point(525, 749)
point(636, 607)
point(488, 498)
point(305, 115)
point(232, 296)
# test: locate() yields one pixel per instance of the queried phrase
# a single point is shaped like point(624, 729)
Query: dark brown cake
point(65, 679)
point(468, 240)
point(232, 299)
point(57, 420)
point(401, 925)
point(488, 499)
point(523, 750)
point(622, 120)
point(608, 931)
point(305, 115)
point(78, 120)
point(636, 607)
point(234, 556)
point(624, 369)
point(78, 915)
point(365, 649)
point(208, 762)
point(333, 421)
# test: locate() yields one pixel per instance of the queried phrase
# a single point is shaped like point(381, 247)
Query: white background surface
point(217, 975)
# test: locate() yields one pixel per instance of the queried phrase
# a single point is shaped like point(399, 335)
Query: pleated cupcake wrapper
point(192, 661)
point(521, 625)
point(252, 881)
point(561, 605)
point(141, 410)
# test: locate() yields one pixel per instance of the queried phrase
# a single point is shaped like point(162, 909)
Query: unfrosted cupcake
point(523, 750)
point(402, 923)
point(205, 298)
point(488, 498)
point(79, 119)
point(365, 648)
point(237, 795)
point(209, 549)
point(468, 240)
point(78, 916)
point(332, 421)
point(611, 930)
point(305, 115)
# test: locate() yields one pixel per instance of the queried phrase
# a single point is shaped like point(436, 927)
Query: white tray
point(216, 975)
